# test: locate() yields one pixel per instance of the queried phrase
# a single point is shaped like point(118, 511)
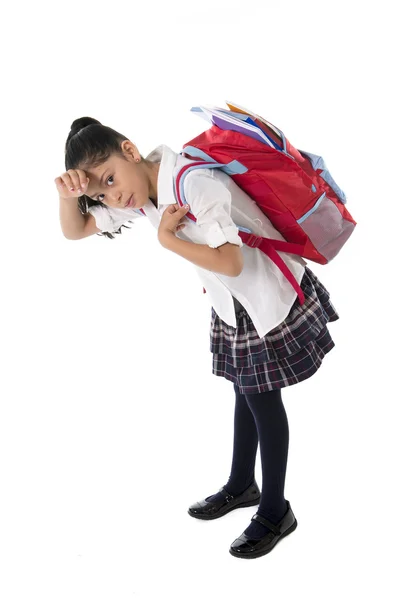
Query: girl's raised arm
point(73, 222)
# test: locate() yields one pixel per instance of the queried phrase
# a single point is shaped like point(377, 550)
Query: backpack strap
point(291, 248)
point(234, 167)
point(268, 247)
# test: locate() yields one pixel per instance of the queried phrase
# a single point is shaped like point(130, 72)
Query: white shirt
point(219, 205)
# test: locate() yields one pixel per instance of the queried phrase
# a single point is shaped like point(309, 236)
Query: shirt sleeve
point(108, 220)
point(210, 203)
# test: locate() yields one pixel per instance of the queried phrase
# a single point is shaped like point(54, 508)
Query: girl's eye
point(98, 197)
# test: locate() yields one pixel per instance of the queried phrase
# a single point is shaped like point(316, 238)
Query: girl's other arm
point(226, 259)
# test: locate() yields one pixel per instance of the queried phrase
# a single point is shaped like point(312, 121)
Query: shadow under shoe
point(213, 509)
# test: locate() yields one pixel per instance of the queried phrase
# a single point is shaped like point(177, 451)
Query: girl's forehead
point(97, 171)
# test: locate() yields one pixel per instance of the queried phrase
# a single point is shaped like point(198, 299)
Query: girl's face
point(115, 181)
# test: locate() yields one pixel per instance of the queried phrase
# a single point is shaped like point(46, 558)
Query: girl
point(261, 338)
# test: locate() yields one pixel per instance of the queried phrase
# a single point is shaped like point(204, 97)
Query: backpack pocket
point(326, 228)
point(317, 162)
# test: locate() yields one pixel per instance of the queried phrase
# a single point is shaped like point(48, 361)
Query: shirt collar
point(167, 157)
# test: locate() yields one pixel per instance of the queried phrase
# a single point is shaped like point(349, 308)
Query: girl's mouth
point(130, 202)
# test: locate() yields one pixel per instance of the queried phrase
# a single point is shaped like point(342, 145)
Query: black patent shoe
point(247, 547)
point(213, 510)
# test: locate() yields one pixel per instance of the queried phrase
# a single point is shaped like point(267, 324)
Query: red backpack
point(293, 188)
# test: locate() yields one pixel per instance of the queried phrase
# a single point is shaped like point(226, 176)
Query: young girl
point(261, 338)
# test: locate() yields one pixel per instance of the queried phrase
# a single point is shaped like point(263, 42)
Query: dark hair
point(90, 144)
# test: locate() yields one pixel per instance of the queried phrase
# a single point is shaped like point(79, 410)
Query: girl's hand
point(170, 222)
point(72, 184)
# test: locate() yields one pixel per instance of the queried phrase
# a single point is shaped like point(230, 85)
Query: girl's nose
point(116, 198)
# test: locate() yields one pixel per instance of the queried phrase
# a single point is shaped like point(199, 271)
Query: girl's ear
point(129, 148)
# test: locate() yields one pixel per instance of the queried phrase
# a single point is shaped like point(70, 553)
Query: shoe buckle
point(228, 497)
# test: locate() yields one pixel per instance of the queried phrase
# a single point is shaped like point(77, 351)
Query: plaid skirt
point(290, 353)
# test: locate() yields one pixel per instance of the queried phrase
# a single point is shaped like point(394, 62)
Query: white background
point(111, 421)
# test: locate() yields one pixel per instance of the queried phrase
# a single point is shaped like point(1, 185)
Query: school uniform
point(260, 337)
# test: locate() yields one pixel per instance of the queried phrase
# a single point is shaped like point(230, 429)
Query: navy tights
point(260, 418)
